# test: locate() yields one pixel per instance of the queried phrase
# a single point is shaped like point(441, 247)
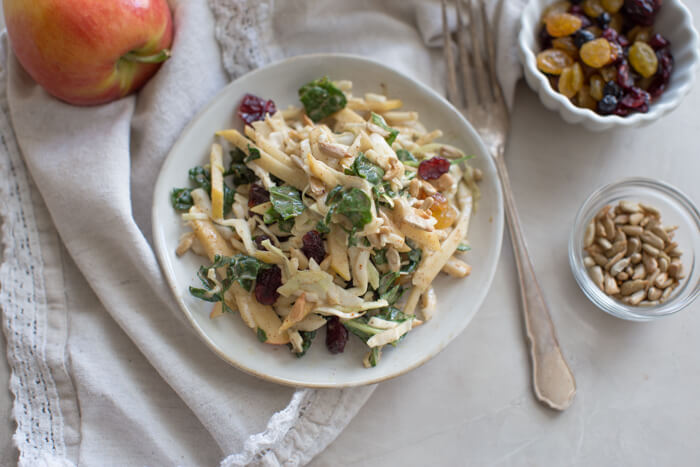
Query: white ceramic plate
point(228, 336)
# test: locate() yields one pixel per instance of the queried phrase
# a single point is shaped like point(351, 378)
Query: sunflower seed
point(663, 264)
point(623, 276)
point(636, 218)
point(667, 283)
point(598, 258)
point(596, 273)
point(634, 245)
point(666, 294)
point(636, 297)
point(610, 285)
point(599, 229)
point(619, 266)
point(639, 272)
point(675, 253)
point(589, 236)
point(629, 207)
point(636, 258)
point(609, 227)
point(614, 260)
point(650, 209)
point(660, 279)
point(588, 262)
point(644, 222)
point(622, 219)
point(650, 249)
point(650, 263)
point(653, 293)
point(675, 268)
point(604, 242)
point(633, 230)
point(630, 287)
point(661, 233)
point(653, 240)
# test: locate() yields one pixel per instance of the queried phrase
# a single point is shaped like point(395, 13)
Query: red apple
point(89, 52)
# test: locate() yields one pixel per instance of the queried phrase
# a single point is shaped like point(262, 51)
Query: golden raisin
point(616, 22)
point(595, 30)
point(592, 8)
point(596, 87)
point(444, 213)
point(639, 33)
point(584, 98)
point(596, 53)
point(612, 6)
point(643, 59)
point(553, 61)
point(562, 24)
point(566, 44)
point(554, 9)
point(609, 73)
point(571, 80)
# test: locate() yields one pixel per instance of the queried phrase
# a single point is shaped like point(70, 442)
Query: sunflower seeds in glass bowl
point(634, 249)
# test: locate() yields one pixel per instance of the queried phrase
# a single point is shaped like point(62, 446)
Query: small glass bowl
point(676, 209)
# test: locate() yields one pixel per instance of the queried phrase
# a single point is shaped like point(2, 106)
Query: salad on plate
point(339, 214)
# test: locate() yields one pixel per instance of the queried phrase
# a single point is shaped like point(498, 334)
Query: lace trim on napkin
point(35, 355)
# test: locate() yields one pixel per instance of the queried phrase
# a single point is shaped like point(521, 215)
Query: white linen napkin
point(120, 378)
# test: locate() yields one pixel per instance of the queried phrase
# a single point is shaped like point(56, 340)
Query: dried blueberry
point(611, 88)
point(607, 105)
point(582, 36)
point(336, 335)
point(603, 20)
point(313, 246)
point(266, 284)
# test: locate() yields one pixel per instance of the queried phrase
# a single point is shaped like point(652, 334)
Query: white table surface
point(473, 404)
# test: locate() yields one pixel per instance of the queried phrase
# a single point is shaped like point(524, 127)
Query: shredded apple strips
point(337, 214)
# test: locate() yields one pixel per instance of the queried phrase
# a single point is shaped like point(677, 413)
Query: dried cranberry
point(336, 335)
point(259, 239)
point(576, 9)
point(614, 37)
point(658, 42)
point(642, 12)
point(313, 246)
point(635, 98)
point(254, 108)
point(431, 169)
point(624, 78)
point(257, 195)
point(622, 111)
point(663, 74)
point(266, 284)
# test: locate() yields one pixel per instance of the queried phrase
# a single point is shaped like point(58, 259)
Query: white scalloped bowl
point(673, 21)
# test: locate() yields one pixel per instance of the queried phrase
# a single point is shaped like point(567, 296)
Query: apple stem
point(161, 56)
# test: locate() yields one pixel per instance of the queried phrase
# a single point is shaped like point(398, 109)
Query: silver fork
point(553, 381)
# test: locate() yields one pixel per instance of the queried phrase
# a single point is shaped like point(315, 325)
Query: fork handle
point(553, 380)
